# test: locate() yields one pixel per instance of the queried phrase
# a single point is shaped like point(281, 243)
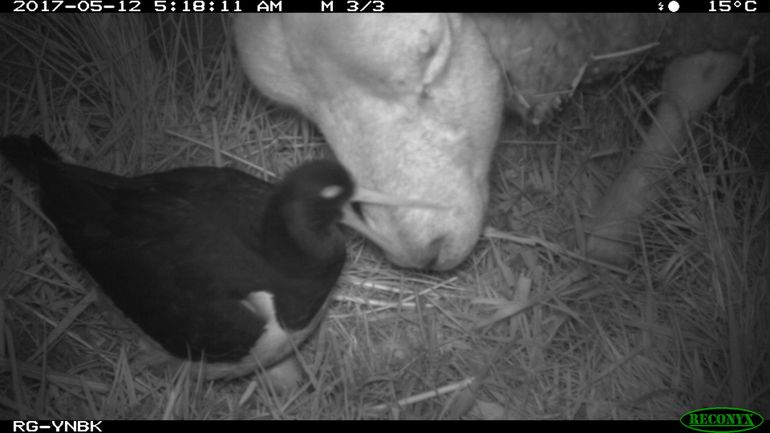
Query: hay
point(524, 329)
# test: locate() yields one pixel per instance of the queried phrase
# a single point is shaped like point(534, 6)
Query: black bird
point(212, 263)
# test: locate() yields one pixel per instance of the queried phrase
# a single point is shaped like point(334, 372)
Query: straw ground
point(524, 329)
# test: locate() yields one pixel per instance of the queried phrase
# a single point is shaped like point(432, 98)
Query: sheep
point(412, 104)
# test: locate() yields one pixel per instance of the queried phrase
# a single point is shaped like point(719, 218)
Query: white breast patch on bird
point(270, 344)
point(273, 345)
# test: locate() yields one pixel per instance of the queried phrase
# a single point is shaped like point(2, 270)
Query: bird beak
point(353, 220)
point(373, 197)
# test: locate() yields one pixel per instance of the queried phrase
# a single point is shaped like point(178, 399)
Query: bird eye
point(331, 191)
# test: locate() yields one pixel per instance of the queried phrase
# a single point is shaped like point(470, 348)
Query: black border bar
point(349, 6)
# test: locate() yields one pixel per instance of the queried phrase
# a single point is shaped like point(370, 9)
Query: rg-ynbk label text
point(56, 426)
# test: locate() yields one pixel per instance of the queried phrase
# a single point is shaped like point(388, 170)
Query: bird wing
point(182, 279)
point(168, 249)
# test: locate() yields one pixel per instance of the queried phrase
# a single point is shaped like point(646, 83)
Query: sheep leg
point(690, 85)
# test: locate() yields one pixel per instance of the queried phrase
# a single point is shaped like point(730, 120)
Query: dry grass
point(522, 330)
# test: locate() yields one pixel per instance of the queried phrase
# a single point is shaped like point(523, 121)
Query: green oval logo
point(721, 419)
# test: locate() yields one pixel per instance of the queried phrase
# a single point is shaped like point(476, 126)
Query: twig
point(494, 233)
point(627, 52)
point(34, 372)
point(224, 152)
point(426, 395)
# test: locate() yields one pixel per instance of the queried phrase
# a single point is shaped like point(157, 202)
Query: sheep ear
point(440, 50)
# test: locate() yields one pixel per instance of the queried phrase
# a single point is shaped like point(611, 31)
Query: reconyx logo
point(721, 420)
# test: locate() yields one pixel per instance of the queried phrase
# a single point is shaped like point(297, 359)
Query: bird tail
point(26, 154)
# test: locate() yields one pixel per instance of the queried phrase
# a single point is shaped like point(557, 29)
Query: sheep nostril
point(358, 210)
point(434, 250)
